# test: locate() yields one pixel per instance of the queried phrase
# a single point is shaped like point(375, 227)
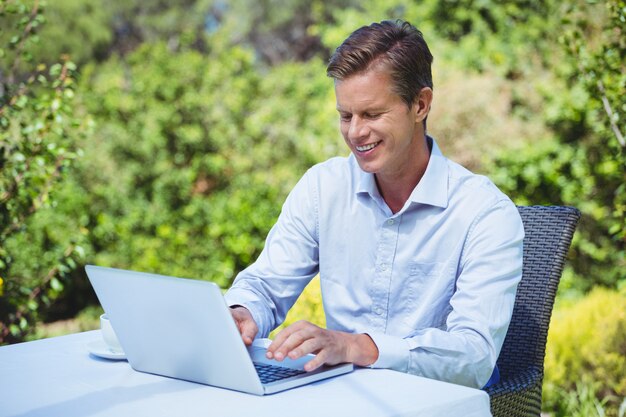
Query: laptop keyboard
point(271, 373)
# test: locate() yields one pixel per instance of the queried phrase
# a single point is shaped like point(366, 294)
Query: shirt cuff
point(249, 300)
point(393, 352)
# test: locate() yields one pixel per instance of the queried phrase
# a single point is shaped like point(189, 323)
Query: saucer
point(100, 349)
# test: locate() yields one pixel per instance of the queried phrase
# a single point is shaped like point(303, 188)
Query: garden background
point(164, 136)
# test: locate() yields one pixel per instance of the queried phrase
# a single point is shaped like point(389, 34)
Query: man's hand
point(245, 323)
point(331, 347)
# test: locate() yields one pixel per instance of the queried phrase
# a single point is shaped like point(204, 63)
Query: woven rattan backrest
point(549, 231)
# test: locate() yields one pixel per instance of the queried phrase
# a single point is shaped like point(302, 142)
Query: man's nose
point(358, 128)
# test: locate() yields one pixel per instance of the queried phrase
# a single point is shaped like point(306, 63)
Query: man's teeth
point(367, 147)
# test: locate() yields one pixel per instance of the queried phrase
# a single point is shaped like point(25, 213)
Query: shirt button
point(378, 311)
point(383, 267)
point(390, 222)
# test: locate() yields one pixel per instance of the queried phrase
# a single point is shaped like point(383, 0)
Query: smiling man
point(419, 259)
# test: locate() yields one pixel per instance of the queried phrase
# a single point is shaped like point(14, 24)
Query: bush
point(195, 155)
point(39, 134)
point(587, 351)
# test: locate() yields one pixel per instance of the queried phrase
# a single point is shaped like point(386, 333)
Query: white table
point(58, 377)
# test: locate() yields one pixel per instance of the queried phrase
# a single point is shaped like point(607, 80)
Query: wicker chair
point(549, 232)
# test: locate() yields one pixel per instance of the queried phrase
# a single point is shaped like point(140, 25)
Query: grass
point(88, 319)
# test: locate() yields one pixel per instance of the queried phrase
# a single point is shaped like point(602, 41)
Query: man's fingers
point(288, 339)
point(248, 331)
point(292, 342)
point(313, 345)
point(245, 324)
point(303, 338)
point(281, 337)
point(315, 363)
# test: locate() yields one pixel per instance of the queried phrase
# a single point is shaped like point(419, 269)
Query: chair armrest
point(517, 396)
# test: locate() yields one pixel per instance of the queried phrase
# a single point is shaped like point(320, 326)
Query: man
point(419, 259)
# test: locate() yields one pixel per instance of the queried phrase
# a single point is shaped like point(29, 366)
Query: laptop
point(182, 328)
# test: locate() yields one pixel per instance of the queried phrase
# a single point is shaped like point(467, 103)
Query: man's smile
point(365, 148)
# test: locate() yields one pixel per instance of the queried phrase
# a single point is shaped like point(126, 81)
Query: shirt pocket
point(424, 302)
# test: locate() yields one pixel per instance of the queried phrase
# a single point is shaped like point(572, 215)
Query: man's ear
point(421, 106)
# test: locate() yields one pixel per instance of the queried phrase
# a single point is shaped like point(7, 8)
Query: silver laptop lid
point(175, 327)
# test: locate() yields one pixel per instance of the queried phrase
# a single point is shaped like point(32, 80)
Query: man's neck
point(397, 189)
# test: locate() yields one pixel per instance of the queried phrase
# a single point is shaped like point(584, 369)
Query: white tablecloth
point(58, 377)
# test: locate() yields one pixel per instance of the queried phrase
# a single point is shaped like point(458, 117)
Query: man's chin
point(366, 167)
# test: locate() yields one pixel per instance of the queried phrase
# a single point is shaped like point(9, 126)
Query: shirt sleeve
point(270, 286)
point(466, 350)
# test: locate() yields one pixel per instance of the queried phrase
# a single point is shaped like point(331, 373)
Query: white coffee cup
point(108, 334)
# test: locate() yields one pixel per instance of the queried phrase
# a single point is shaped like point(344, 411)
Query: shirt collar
point(432, 188)
point(366, 181)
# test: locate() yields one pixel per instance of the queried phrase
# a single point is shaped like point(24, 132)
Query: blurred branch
point(37, 202)
point(22, 310)
point(19, 178)
point(27, 29)
point(609, 112)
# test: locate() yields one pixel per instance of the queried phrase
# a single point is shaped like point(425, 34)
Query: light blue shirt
point(433, 284)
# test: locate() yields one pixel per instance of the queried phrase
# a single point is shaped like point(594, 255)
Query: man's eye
point(372, 115)
point(345, 117)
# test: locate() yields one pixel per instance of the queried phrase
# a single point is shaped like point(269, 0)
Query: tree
point(195, 154)
point(37, 147)
point(584, 163)
point(79, 29)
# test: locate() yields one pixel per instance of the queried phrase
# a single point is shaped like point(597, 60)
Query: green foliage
point(582, 402)
point(195, 155)
point(552, 173)
point(512, 37)
point(120, 26)
point(280, 31)
point(178, 23)
point(583, 162)
point(185, 174)
point(81, 39)
point(586, 354)
point(37, 147)
point(20, 21)
point(87, 319)
point(169, 130)
point(601, 71)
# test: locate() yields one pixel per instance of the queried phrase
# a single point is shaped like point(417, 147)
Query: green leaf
point(80, 251)
point(21, 102)
point(56, 285)
point(15, 330)
point(55, 70)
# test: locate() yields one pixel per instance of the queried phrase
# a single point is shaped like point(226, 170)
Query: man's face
point(378, 127)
